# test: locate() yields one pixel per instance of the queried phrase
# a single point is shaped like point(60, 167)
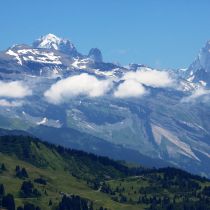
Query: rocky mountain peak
point(52, 42)
point(96, 55)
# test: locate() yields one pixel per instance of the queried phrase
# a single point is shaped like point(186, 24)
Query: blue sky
point(159, 33)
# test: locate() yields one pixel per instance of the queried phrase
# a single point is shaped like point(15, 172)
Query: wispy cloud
point(14, 89)
point(4, 102)
point(122, 51)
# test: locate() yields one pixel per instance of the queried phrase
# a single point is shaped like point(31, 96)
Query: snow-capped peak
point(199, 70)
point(51, 41)
point(203, 59)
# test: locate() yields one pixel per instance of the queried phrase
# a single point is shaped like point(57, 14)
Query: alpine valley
point(154, 117)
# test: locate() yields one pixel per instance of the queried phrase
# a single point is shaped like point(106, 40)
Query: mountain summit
point(52, 42)
point(203, 59)
point(96, 55)
point(199, 70)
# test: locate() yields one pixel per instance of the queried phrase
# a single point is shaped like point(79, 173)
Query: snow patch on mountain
point(112, 73)
point(81, 63)
point(186, 86)
point(197, 93)
point(43, 121)
point(39, 57)
point(12, 53)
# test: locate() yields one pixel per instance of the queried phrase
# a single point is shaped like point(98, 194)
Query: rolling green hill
point(48, 176)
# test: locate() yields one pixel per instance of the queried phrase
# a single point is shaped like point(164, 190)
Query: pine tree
point(3, 168)
point(2, 190)
point(8, 202)
point(50, 203)
point(17, 168)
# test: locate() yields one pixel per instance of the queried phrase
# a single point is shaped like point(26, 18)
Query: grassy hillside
point(80, 140)
point(100, 182)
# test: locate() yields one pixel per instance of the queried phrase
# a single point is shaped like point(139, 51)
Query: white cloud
point(130, 88)
point(151, 78)
point(14, 89)
point(7, 103)
point(83, 84)
point(196, 95)
point(88, 85)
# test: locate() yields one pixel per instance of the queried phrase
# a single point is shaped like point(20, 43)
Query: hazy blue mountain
point(96, 55)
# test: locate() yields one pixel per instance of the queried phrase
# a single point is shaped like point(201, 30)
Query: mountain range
point(137, 113)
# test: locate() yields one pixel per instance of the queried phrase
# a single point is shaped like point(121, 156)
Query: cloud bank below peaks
point(7, 103)
point(14, 89)
point(11, 93)
point(198, 94)
point(83, 84)
point(133, 85)
point(152, 78)
point(130, 88)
